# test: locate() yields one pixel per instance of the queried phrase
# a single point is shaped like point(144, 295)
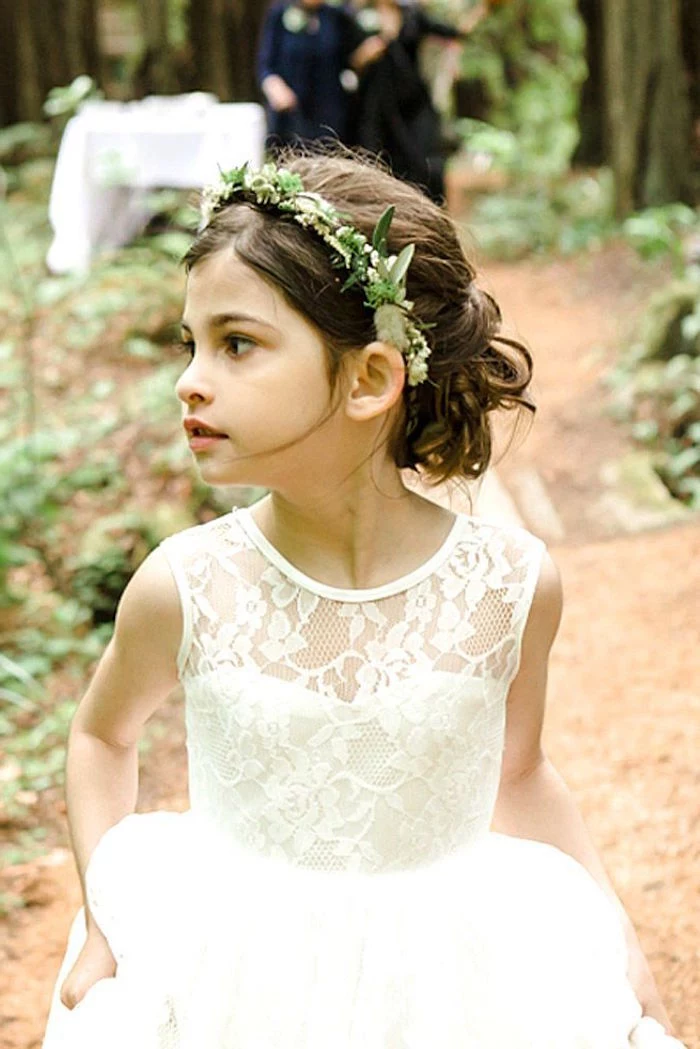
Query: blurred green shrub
point(530, 56)
point(566, 215)
point(656, 385)
point(660, 231)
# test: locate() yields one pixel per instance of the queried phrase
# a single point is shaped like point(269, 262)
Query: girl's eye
point(238, 345)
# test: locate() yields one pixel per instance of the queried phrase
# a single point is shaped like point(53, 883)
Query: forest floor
point(624, 724)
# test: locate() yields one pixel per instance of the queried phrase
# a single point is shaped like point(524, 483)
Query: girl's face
point(256, 392)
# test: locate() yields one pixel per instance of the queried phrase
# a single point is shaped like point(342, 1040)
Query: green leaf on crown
point(381, 230)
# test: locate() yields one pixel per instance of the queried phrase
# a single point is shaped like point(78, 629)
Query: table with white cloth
point(114, 154)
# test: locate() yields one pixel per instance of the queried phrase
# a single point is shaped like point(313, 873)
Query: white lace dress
point(335, 884)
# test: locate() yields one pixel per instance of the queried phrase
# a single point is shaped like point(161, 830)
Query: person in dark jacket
point(305, 48)
point(394, 113)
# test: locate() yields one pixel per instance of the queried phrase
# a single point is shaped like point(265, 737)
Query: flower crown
point(381, 276)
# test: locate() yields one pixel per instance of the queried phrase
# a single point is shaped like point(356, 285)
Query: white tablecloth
point(112, 154)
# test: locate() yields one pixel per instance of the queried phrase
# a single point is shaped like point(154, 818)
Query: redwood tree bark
point(224, 37)
point(157, 74)
point(44, 46)
point(9, 72)
point(647, 110)
point(248, 19)
point(593, 145)
point(210, 39)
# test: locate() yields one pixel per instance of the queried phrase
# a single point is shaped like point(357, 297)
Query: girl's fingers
point(94, 963)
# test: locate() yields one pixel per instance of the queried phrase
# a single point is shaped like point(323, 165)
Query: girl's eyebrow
point(219, 320)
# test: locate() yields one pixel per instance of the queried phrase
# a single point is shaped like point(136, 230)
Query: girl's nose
point(193, 387)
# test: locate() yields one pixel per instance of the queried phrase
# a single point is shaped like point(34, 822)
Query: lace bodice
point(349, 729)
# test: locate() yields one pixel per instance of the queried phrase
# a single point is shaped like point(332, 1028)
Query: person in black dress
point(305, 47)
point(394, 113)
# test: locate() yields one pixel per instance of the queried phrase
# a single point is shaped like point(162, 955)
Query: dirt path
point(624, 725)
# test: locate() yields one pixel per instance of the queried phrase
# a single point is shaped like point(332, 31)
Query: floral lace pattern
point(355, 730)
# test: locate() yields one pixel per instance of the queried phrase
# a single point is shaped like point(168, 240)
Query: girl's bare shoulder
point(150, 604)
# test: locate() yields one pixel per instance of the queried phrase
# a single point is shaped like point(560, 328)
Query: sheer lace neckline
point(396, 586)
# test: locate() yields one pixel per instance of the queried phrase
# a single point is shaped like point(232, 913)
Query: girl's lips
point(204, 442)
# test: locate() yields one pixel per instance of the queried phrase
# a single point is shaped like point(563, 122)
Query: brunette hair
point(445, 429)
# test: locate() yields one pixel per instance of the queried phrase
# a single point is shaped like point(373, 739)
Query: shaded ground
point(624, 723)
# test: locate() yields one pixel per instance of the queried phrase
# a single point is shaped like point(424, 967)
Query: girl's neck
point(360, 537)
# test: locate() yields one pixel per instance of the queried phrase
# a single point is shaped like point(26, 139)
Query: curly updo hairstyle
point(445, 430)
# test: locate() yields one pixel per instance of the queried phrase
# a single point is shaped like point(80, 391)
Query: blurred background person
point(393, 111)
point(306, 48)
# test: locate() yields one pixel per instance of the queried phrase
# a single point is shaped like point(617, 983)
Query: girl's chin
point(219, 476)
point(225, 479)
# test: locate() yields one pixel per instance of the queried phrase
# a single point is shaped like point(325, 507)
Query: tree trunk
point(9, 67)
point(45, 46)
point(592, 147)
point(224, 39)
point(210, 37)
point(690, 36)
point(647, 103)
point(29, 87)
point(157, 74)
point(248, 18)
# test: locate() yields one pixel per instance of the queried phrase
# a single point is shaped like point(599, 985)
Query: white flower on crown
point(390, 326)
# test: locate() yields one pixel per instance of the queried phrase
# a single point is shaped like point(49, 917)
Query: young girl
point(378, 854)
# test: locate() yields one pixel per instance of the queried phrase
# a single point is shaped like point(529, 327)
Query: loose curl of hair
point(445, 430)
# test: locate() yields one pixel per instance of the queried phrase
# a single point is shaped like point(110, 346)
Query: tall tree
point(647, 102)
point(592, 147)
point(248, 18)
point(210, 39)
point(635, 111)
point(9, 72)
point(157, 73)
point(45, 46)
point(223, 36)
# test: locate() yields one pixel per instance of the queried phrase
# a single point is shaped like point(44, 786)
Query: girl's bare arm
point(135, 675)
point(533, 800)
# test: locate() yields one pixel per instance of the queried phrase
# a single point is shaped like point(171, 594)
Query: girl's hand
point(279, 94)
point(95, 962)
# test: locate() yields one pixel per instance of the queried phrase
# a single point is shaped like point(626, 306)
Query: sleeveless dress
point(335, 883)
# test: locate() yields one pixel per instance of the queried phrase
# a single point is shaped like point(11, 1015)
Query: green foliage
point(177, 22)
point(29, 493)
point(566, 216)
point(33, 722)
point(670, 323)
point(20, 142)
point(656, 387)
point(64, 101)
point(660, 231)
point(101, 478)
point(110, 551)
point(530, 56)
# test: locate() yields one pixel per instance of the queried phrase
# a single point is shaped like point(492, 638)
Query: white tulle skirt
point(507, 944)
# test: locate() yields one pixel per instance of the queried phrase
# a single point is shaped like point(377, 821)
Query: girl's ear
point(376, 377)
